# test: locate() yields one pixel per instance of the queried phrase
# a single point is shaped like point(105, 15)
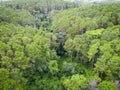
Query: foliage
point(54, 45)
point(106, 85)
point(76, 82)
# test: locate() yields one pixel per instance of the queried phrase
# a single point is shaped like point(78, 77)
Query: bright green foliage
point(76, 82)
point(53, 66)
point(4, 79)
point(109, 61)
point(38, 48)
point(11, 80)
point(69, 46)
point(93, 50)
point(106, 85)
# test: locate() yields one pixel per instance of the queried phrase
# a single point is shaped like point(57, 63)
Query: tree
point(75, 82)
point(53, 67)
point(107, 85)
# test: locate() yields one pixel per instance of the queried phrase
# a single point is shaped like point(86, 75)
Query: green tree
point(75, 82)
point(106, 85)
point(53, 67)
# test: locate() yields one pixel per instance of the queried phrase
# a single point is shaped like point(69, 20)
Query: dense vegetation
point(58, 45)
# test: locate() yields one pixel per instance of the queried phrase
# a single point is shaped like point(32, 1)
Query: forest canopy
point(59, 45)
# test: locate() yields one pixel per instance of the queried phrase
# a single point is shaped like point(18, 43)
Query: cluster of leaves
point(106, 85)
